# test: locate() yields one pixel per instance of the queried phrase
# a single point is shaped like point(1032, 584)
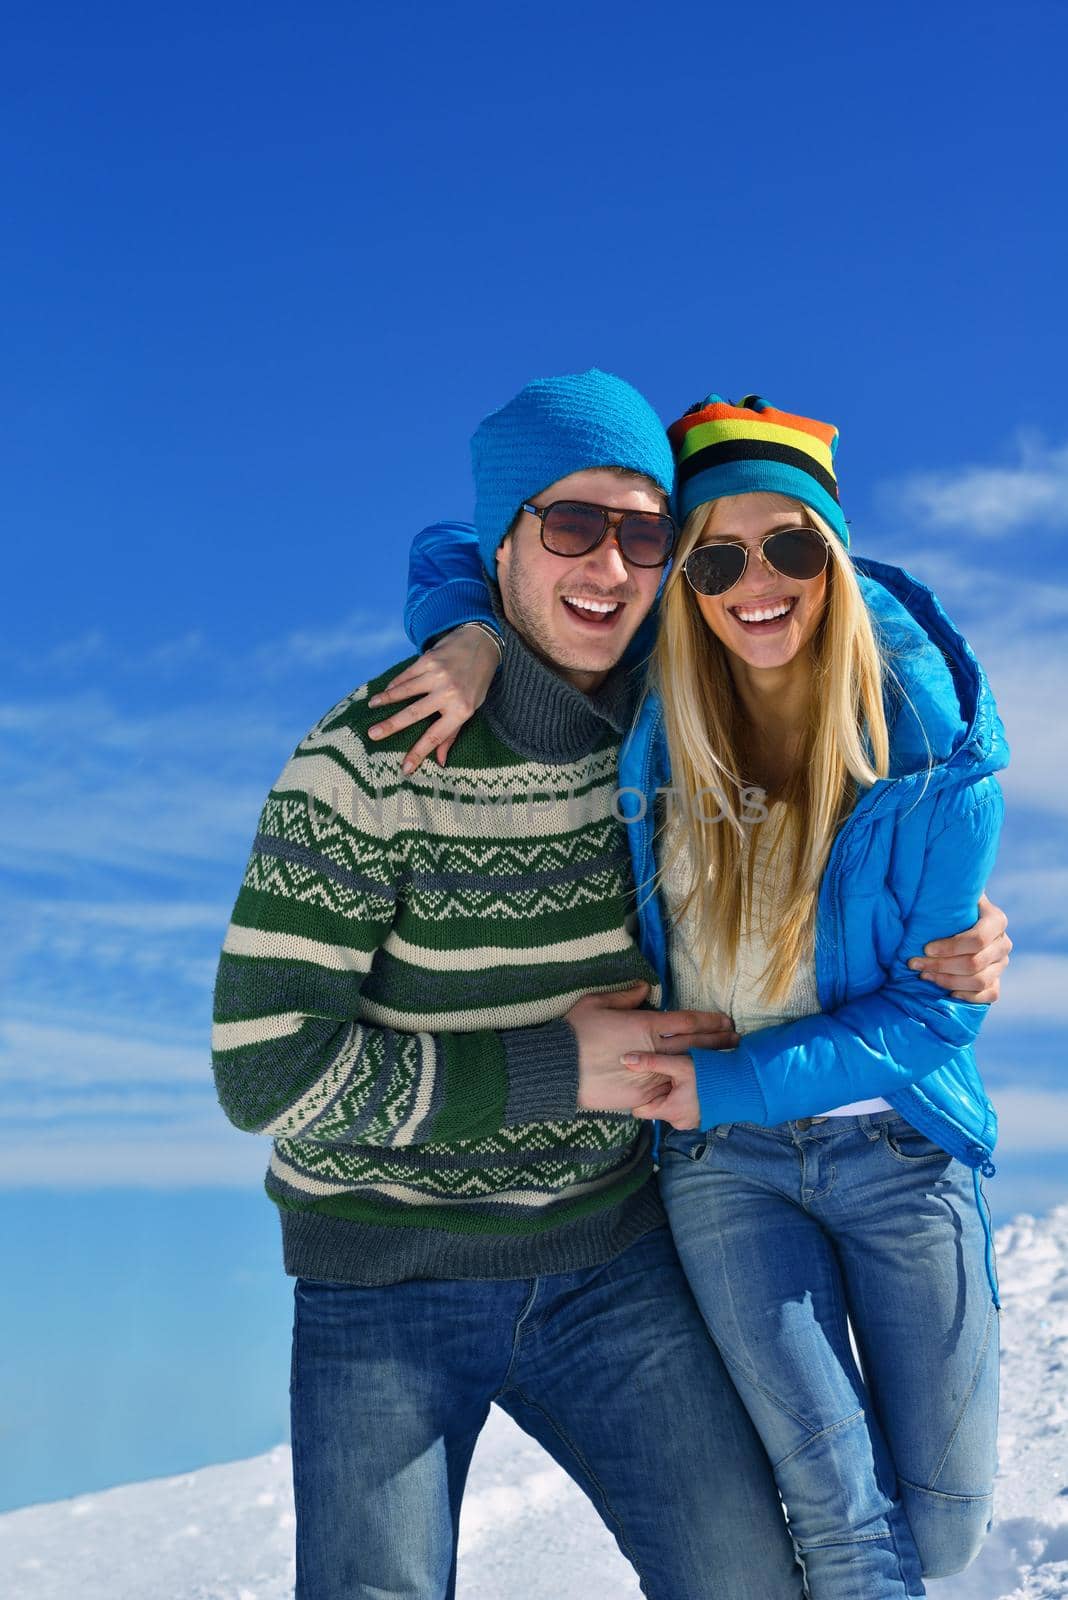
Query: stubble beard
point(526, 608)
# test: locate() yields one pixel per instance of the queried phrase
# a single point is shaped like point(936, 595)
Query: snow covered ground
point(226, 1533)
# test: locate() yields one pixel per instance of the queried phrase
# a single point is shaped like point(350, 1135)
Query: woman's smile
point(764, 616)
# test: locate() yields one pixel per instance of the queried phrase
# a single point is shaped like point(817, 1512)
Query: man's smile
point(593, 612)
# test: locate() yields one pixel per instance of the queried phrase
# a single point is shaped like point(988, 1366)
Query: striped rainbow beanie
point(551, 428)
point(722, 449)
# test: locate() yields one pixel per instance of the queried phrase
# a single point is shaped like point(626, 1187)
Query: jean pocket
point(909, 1146)
point(688, 1142)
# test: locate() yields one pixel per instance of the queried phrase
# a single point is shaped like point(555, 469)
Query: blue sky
point(264, 269)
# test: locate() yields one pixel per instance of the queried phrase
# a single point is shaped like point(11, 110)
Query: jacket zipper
point(933, 1123)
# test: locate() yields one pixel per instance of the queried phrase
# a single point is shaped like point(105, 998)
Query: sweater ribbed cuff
point(728, 1089)
point(543, 1073)
point(444, 608)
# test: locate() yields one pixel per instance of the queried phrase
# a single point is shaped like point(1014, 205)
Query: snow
point(226, 1532)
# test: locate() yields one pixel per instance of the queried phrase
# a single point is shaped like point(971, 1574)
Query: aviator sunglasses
point(792, 552)
point(574, 528)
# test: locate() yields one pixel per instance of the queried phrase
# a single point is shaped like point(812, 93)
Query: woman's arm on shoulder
point(446, 583)
point(447, 590)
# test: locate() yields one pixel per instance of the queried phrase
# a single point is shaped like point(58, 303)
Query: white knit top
point(738, 992)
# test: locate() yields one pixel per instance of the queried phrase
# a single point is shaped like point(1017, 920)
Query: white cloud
point(1031, 1119)
point(1029, 683)
point(84, 650)
point(355, 638)
point(1035, 896)
point(973, 585)
point(109, 942)
point(182, 651)
point(147, 821)
point(134, 916)
point(181, 1106)
point(1035, 992)
point(1017, 630)
point(152, 1160)
point(991, 500)
point(87, 783)
point(72, 725)
point(86, 1105)
point(80, 1051)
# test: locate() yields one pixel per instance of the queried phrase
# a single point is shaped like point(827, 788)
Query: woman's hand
point(450, 680)
point(677, 1103)
point(671, 1070)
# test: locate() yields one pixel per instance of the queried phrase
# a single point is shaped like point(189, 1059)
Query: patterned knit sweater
point(390, 995)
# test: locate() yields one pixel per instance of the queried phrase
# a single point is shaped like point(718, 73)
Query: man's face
point(542, 593)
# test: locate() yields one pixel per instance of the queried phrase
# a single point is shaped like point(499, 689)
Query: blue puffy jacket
point(908, 865)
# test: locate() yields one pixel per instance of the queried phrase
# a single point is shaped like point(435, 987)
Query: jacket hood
point(939, 704)
point(941, 716)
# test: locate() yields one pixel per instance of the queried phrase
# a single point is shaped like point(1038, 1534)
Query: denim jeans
point(610, 1368)
point(790, 1235)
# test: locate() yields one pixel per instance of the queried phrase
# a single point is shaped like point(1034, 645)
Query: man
point(424, 995)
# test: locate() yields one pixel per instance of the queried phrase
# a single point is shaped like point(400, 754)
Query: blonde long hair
point(845, 745)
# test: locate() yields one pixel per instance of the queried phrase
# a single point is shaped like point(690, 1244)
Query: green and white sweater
point(390, 995)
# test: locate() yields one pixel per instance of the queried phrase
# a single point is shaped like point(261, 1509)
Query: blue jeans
point(786, 1232)
point(610, 1368)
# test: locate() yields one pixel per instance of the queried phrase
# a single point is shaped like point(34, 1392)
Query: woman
point(830, 743)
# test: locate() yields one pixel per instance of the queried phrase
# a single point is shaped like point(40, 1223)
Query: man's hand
point(676, 1103)
point(971, 963)
point(609, 1026)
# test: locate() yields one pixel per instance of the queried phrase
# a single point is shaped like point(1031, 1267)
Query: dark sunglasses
point(574, 528)
point(793, 552)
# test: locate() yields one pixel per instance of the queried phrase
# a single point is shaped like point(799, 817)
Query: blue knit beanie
point(553, 427)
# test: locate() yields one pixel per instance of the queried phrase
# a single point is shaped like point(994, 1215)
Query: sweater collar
point(539, 714)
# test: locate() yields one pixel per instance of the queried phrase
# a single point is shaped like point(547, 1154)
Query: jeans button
point(804, 1124)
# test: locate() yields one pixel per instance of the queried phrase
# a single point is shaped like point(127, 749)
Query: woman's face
point(766, 620)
